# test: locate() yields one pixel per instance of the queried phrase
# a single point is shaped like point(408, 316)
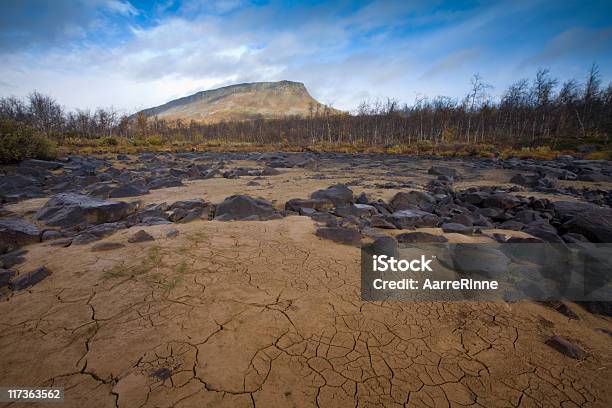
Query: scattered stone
point(244, 207)
point(28, 279)
point(566, 347)
point(141, 236)
point(172, 232)
point(455, 228)
point(5, 276)
point(406, 219)
point(70, 209)
point(561, 308)
point(296, 204)
point(17, 232)
point(163, 373)
point(106, 246)
point(420, 237)
point(50, 234)
point(443, 171)
point(347, 236)
point(338, 194)
point(413, 200)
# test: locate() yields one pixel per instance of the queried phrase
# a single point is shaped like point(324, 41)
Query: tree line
point(540, 111)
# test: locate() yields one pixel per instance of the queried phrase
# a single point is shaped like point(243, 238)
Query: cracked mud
point(266, 314)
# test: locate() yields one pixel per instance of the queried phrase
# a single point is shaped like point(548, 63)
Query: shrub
point(109, 141)
point(19, 141)
point(155, 140)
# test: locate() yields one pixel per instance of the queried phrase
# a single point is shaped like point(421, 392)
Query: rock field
point(233, 279)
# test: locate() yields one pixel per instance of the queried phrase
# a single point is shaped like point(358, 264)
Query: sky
point(135, 54)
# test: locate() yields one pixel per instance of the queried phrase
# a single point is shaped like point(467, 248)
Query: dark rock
point(379, 221)
point(545, 234)
point(451, 227)
point(462, 219)
point(318, 204)
point(243, 207)
point(501, 200)
point(603, 308)
point(106, 246)
point(326, 218)
point(362, 199)
point(413, 219)
point(163, 373)
point(442, 171)
point(28, 279)
point(511, 225)
point(141, 236)
point(129, 190)
point(5, 276)
point(596, 224)
point(413, 200)
point(270, 171)
point(338, 194)
point(252, 183)
point(13, 258)
point(166, 182)
point(572, 238)
point(50, 234)
point(356, 210)
point(62, 242)
point(49, 165)
point(172, 232)
point(476, 259)
point(341, 235)
point(566, 347)
point(420, 237)
point(561, 308)
point(69, 209)
point(16, 232)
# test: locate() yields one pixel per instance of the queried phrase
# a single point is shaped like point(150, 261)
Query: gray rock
point(596, 224)
point(129, 190)
point(70, 209)
point(296, 204)
point(338, 194)
point(452, 227)
point(413, 200)
point(420, 237)
point(442, 171)
point(347, 236)
point(141, 236)
point(413, 219)
point(106, 246)
point(28, 279)
point(243, 207)
point(172, 232)
point(16, 232)
point(501, 200)
point(566, 347)
point(5, 276)
point(50, 234)
point(49, 165)
point(189, 204)
point(476, 259)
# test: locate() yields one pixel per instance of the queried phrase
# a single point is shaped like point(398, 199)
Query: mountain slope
point(241, 102)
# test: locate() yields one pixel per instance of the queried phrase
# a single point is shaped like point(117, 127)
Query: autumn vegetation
point(540, 116)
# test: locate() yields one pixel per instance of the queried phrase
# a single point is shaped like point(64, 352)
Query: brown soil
point(266, 314)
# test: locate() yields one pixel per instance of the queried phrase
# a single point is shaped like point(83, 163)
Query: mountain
point(241, 102)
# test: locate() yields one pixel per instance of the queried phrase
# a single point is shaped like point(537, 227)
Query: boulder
point(244, 207)
point(477, 259)
point(129, 190)
point(16, 232)
point(596, 224)
point(455, 228)
point(501, 200)
point(28, 279)
point(70, 209)
point(5, 276)
point(140, 236)
point(413, 219)
point(566, 347)
point(295, 204)
point(338, 194)
point(347, 236)
point(420, 237)
point(106, 246)
point(442, 171)
point(413, 200)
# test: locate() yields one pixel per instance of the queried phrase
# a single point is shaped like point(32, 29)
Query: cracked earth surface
point(265, 314)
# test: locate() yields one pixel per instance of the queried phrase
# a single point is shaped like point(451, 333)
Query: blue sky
point(135, 54)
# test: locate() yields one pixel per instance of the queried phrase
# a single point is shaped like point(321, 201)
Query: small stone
point(141, 236)
point(566, 347)
point(29, 279)
point(106, 246)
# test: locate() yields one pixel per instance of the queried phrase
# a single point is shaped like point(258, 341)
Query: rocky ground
point(208, 279)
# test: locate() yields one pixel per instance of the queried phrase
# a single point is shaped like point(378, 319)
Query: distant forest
point(542, 111)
